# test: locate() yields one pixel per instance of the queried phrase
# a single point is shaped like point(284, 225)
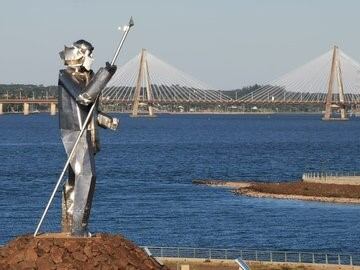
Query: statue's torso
point(71, 114)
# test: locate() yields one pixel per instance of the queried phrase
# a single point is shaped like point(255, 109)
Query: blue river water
point(145, 171)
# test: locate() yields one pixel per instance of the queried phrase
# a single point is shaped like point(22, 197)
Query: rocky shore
point(103, 251)
point(298, 190)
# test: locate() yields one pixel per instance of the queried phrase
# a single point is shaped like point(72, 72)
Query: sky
point(227, 44)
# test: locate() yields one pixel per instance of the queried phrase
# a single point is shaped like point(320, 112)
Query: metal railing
point(256, 255)
point(329, 174)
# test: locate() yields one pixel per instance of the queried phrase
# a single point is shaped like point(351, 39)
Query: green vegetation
point(236, 93)
point(241, 92)
point(27, 91)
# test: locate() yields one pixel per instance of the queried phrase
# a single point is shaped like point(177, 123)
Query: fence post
point(225, 254)
point(313, 258)
point(285, 257)
point(271, 256)
point(326, 259)
point(299, 257)
point(210, 254)
point(339, 261)
point(161, 253)
point(178, 252)
point(241, 254)
point(194, 253)
point(351, 260)
point(256, 255)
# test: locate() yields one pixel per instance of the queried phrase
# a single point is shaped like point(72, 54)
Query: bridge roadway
point(26, 103)
point(53, 101)
point(28, 100)
point(230, 102)
point(183, 101)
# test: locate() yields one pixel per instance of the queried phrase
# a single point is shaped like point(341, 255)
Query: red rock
point(101, 258)
point(71, 246)
point(67, 266)
point(58, 242)
point(56, 254)
point(91, 261)
point(30, 255)
point(89, 265)
point(109, 249)
point(95, 250)
point(106, 267)
point(17, 257)
point(133, 261)
point(40, 253)
point(148, 263)
point(26, 265)
point(3, 253)
point(131, 267)
point(21, 243)
point(45, 263)
point(44, 245)
point(79, 256)
point(116, 242)
point(121, 264)
point(99, 252)
point(88, 251)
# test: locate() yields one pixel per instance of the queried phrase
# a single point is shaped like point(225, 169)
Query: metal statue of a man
point(79, 88)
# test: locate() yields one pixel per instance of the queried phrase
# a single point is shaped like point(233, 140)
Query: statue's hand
point(84, 99)
point(107, 121)
point(110, 68)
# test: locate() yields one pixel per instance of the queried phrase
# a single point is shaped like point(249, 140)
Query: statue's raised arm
point(97, 84)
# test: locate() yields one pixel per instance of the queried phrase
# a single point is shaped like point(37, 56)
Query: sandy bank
point(330, 193)
point(224, 184)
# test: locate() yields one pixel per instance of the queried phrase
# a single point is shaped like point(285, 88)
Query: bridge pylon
point(143, 83)
point(335, 78)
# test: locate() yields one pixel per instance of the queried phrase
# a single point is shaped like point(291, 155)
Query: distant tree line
point(241, 92)
point(27, 91)
point(236, 93)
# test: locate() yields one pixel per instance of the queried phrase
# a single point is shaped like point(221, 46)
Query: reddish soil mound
point(308, 189)
point(103, 251)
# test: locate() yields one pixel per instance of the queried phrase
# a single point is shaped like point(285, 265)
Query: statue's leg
point(85, 178)
point(68, 202)
point(68, 138)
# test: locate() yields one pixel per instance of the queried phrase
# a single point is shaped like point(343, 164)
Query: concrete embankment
point(201, 264)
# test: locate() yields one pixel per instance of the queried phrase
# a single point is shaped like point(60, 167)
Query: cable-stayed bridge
point(148, 81)
point(332, 80)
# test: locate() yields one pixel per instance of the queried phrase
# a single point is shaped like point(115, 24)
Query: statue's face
point(88, 60)
point(76, 57)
